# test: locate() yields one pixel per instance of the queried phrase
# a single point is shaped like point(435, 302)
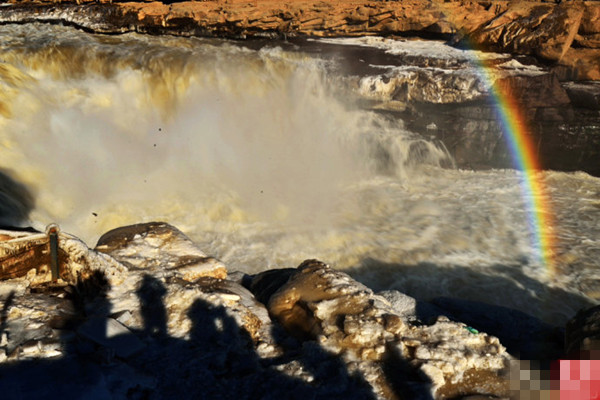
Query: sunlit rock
point(546, 30)
point(24, 254)
point(532, 28)
point(346, 318)
point(579, 64)
point(145, 316)
point(157, 244)
point(27, 255)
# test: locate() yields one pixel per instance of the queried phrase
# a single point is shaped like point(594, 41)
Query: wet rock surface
point(141, 330)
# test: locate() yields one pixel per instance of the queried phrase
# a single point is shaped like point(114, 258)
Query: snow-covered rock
point(139, 326)
point(157, 244)
point(348, 319)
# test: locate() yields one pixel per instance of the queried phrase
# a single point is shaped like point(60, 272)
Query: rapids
point(256, 153)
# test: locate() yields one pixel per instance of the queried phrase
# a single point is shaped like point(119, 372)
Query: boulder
point(583, 95)
point(347, 318)
point(158, 244)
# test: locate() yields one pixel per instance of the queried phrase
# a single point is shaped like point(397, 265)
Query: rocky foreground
point(147, 315)
point(567, 35)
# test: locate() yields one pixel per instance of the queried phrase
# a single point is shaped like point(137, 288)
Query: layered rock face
point(560, 118)
point(140, 321)
point(566, 34)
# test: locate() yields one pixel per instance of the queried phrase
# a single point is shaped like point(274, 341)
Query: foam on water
point(252, 154)
point(420, 48)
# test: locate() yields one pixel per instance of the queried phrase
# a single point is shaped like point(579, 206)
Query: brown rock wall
point(542, 29)
point(590, 22)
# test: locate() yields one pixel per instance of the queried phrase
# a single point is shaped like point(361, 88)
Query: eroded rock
point(145, 318)
point(170, 249)
point(346, 318)
point(27, 255)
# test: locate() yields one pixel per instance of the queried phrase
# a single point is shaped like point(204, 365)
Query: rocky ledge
point(146, 314)
point(566, 35)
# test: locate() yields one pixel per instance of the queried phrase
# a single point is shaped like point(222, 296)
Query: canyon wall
point(565, 35)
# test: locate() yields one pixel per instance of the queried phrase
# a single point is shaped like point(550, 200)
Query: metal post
point(52, 231)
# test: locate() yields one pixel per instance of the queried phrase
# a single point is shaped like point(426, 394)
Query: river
point(259, 154)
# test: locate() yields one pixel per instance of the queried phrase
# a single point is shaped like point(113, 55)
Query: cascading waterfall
point(254, 154)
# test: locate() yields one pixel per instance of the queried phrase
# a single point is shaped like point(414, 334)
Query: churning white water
point(258, 158)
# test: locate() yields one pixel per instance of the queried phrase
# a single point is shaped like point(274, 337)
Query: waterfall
point(265, 155)
point(94, 123)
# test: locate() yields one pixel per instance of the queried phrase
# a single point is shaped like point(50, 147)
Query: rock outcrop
point(27, 256)
point(441, 92)
point(137, 326)
point(566, 34)
point(348, 319)
point(171, 250)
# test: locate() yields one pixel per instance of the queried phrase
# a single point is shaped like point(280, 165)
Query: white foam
point(259, 162)
point(421, 48)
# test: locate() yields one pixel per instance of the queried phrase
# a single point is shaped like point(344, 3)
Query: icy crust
point(428, 85)
point(418, 48)
point(155, 244)
point(27, 255)
point(346, 318)
point(430, 72)
point(437, 85)
point(317, 331)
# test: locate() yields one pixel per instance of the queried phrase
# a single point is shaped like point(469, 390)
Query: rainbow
point(519, 139)
point(516, 132)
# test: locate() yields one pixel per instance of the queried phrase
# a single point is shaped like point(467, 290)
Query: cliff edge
point(565, 35)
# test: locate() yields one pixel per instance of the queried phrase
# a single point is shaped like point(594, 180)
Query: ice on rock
point(149, 303)
point(349, 320)
point(157, 244)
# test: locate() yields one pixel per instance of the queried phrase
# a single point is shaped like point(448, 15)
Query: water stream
point(254, 154)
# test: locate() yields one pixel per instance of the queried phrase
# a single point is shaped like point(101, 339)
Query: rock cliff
point(567, 35)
